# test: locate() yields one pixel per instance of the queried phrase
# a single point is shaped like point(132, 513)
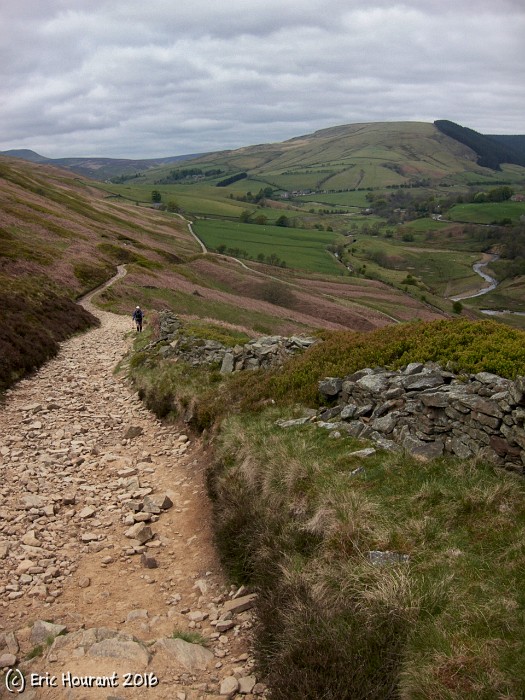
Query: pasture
point(487, 212)
point(440, 271)
point(299, 248)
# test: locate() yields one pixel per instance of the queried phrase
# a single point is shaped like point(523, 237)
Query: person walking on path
point(137, 317)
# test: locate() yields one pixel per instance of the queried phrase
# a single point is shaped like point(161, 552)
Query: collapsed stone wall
point(263, 352)
point(430, 412)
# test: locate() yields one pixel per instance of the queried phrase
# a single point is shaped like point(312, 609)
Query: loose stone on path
point(80, 457)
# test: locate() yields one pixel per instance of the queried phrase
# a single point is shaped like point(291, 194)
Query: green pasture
point(487, 212)
point(296, 180)
point(353, 198)
point(299, 248)
point(443, 272)
point(206, 200)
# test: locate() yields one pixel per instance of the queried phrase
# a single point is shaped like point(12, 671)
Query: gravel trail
point(105, 537)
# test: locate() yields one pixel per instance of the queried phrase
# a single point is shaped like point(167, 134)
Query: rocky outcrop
point(263, 352)
point(430, 412)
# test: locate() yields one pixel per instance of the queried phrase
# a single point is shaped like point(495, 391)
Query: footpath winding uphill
point(106, 555)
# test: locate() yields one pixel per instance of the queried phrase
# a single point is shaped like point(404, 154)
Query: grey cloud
point(137, 79)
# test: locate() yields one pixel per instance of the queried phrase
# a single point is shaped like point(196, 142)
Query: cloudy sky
point(129, 78)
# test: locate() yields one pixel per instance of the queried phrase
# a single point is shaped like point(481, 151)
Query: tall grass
point(295, 521)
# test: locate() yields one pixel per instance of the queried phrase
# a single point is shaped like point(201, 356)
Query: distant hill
point(514, 143)
point(362, 156)
point(100, 168)
point(25, 154)
point(339, 158)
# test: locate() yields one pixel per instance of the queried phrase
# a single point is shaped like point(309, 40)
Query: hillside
point(387, 154)
point(60, 238)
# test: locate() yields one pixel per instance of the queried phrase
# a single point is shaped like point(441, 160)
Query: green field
point(299, 248)
point(445, 273)
point(488, 212)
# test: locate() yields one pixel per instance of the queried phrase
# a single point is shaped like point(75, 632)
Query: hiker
point(137, 317)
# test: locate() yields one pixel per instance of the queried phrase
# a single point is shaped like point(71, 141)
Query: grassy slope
point(295, 519)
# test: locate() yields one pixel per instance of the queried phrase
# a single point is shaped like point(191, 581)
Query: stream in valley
point(492, 284)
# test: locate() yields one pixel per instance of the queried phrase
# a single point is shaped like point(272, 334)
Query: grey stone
point(191, 656)
point(423, 380)
point(293, 422)
point(42, 631)
point(7, 660)
point(246, 684)
point(375, 383)
point(132, 651)
point(132, 431)
point(414, 368)
point(424, 450)
point(354, 428)
point(459, 448)
point(140, 532)
point(229, 686)
point(366, 452)
point(227, 363)
point(330, 386)
point(148, 561)
point(224, 625)
point(157, 502)
point(240, 604)
point(364, 410)
point(385, 424)
point(381, 558)
point(348, 411)
point(438, 399)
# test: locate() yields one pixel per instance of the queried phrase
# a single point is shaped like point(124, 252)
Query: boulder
point(330, 386)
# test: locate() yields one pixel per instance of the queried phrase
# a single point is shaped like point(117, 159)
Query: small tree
point(156, 196)
point(457, 307)
point(282, 221)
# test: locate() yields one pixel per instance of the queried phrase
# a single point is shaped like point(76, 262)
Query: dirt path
point(94, 491)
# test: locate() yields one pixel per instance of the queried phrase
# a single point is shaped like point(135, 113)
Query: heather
point(36, 319)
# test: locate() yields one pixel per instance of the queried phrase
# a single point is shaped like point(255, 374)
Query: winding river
point(478, 268)
point(492, 284)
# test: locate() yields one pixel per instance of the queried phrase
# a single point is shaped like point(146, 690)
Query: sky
point(135, 79)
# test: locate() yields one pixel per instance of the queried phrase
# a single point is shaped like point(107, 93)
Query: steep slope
point(58, 239)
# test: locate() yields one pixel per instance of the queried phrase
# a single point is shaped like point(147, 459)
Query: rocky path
point(105, 541)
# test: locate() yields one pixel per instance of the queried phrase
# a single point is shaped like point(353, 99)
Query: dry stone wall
point(430, 412)
point(262, 352)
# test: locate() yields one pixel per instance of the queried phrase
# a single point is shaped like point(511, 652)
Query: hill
point(491, 151)
point(355, 156)
point(99, 168)
point(340, 158)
